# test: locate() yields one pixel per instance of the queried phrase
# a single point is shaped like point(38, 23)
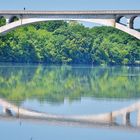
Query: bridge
point(107, 18)
point(107, 119)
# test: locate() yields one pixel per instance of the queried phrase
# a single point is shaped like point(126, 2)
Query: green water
point(55, 83)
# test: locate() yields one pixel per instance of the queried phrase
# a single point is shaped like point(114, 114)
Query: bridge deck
point(96, 12)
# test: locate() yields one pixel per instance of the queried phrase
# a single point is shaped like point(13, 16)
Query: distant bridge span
point(106, 17)
point(103, 118)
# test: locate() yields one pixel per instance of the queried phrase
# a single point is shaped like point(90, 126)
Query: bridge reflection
point(105, 120)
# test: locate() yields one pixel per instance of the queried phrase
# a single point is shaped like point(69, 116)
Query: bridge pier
point(126, 118)
point(138, 118)
point(7, 111)
point(130, 23)
point(7, 21)
point(7, 17)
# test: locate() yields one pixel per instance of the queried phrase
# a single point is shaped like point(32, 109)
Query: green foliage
point(2, 21)
point(61, 42)
point(50, 25)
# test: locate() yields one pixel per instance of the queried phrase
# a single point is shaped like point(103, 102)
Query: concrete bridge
point(108, 118)
point(108, 18)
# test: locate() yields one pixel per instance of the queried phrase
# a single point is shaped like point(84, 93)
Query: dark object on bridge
point(24, 8)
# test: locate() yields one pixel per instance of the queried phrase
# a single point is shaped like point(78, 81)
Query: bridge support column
point(7, 111)
point(126, 119)
point(7, 20)
point(129, 23)
point(138, 118)
point(111, 118)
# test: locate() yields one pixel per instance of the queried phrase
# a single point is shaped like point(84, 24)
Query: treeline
point(59, 42)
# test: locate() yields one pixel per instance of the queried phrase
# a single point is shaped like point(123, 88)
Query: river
point(68, 90)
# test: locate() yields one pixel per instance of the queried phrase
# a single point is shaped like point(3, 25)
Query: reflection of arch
point(103, 118)
point(2, 21)
point(13, 19)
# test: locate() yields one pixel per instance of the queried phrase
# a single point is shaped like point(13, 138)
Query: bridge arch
point(13, 19)
point(135, 20)
point(16, 21)
point(29, 17)
point(122, 20)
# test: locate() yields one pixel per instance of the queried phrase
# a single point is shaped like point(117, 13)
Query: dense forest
point(60, 42)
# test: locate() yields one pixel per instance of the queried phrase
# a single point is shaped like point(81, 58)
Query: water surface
point(67, 90)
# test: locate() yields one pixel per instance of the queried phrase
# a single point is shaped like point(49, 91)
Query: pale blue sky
point(69, 4)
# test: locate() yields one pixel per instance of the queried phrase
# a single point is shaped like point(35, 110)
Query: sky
point(70, 4)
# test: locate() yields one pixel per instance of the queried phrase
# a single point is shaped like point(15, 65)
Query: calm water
point(67, 90)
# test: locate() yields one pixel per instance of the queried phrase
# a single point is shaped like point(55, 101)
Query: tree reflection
point(55, 83)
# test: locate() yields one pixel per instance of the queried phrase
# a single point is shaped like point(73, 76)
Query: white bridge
point(107, 18)
point(12, 111)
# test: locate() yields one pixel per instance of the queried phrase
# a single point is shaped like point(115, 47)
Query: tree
point(50, 26)
point(70, 43)
point(2, 21)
